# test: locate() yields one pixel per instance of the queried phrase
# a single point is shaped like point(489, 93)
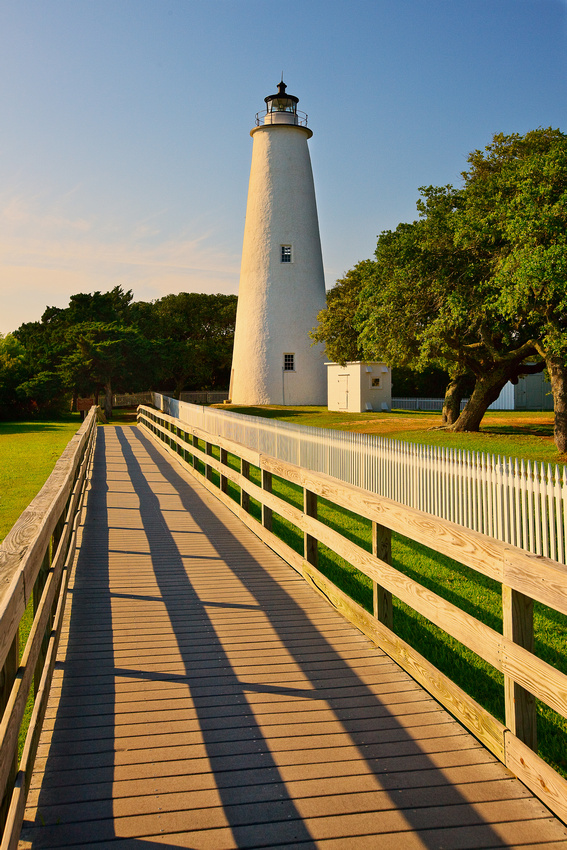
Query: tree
point(336, 328)
point(476, 286)
point(194, 333)
point(109, 356)
point(88, 346)
point(517, 209)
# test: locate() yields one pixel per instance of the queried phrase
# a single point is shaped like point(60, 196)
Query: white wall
point(358, 386)
point(278, 302)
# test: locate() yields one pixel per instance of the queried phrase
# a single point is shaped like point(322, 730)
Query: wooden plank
point(293, 750)
point(527, 670)
point(382, 598)
point(543, 579)
point(23, 548)
point(266, 511)
point(309, 542)
point(479, 721)
point(520, 704)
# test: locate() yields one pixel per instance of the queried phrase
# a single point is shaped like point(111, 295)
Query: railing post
point(195, 442)
point(310, 542)
point(223, 478)
point(244, 496)
point(208, 468)
point(520, 705)
point(266, 512)
point(382, 599)
point(37, 594)
point(7, 677)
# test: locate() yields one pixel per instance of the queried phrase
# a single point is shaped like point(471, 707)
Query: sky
point(124, 126)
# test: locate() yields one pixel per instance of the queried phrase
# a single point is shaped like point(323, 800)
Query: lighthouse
point(282, 286)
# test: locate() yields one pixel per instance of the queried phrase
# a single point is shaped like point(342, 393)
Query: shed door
point(342, 395)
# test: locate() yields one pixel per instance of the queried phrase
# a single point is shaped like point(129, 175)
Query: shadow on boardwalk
point(278, 732)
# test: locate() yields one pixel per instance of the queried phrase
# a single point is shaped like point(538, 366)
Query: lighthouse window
point(286, 253)
point(289, 362)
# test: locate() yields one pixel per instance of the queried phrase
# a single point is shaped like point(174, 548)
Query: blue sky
point(125, 147)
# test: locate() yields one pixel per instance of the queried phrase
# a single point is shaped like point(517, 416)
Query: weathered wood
point(382, 598)
point(9, 761)
point(520, 666)
point(480, 722)
point(541, 679)
point(244, 496)
point(33, 555)
point(536, 576)
point(266, 511)
point(223, 478)
point(270, 742)
point(309, 541)
point(208, 467)
point(37, 595)
point(539, 776)
point(11, 835)
point(520, 704)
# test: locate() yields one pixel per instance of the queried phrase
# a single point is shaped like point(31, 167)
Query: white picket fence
point(521, 503)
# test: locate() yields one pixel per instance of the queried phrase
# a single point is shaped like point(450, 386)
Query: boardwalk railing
point(217, 460)
point(34, 561)
point(521, 503)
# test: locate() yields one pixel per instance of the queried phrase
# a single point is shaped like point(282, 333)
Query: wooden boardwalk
point(206, 697)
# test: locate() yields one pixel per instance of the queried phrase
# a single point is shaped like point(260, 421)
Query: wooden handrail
point(34, 559)
point(524, 577)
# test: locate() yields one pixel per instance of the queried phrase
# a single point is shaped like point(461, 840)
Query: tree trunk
point(558, 377)
point(452, 402)
point(487, 388)
point(108, 399)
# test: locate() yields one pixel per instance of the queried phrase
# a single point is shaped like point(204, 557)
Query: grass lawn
point(509, 433)
point(28, 453)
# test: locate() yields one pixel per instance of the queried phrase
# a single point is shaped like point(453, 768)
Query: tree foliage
point(477, 284)
point(105, 342)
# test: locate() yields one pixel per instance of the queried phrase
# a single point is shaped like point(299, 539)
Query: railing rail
point(524, 578)
point(35, 558)
point(524, 504)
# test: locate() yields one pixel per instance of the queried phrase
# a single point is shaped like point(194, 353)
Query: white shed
point(357, 387)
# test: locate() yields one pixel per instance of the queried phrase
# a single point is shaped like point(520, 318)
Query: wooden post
point(266, 512)
point(7, 677)
point(382, 599)
point(309, 542)
point(223, 478)
point(244, 496)
point(209, 469)
point(520, 705)
point(195, 442)
point(37, 593)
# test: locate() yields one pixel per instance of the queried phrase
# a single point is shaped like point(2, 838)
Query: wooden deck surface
point(206, 697)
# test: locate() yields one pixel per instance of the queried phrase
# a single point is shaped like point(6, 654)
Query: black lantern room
point(282, 102)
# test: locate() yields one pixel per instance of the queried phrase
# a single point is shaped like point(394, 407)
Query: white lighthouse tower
point(282, 287)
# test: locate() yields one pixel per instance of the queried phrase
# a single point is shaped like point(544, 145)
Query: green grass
point(508, 433)
point(28, 453)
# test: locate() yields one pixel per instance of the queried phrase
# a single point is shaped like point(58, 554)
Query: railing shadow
point(257, 802)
